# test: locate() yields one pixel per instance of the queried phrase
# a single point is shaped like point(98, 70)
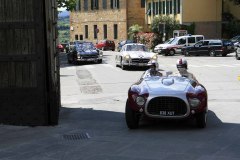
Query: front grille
point(167, 105)
point(89, 56)
point(140, 60)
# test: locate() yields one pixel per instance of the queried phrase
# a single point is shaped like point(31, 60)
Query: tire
point(212, 53)
point(99, 61)
point(131, 117)
point(224, 55)
point(237, 58)
point(69, 62)
point(122, 66)
point(186, 53)
point(171, 52)
point(103, 48)
point(201, 120)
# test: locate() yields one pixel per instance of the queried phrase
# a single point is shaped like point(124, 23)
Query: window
point(143, 3)
point(85, 5)
point(191, 39)
point(167, 7)
point(76, 37)
point(178, 6)
point(163, 5)
point(115, 4)
point(160, 7)
point(115, 31)
point(171, 7)
point(104, 4)
point(86, 31)
point(149, 9)
point(78, 5)
point(104, 31)
point(199, 38)
point(175, 7)
point(157, 10)
point(182, 41)
point(95, 31)
point(94, 4)
point(81, 37)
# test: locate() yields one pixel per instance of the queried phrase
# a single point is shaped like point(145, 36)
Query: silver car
point(237, 51)
point(134, 54)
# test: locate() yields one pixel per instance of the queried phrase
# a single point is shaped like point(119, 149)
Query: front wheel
point(186, 53)
point(171, 52)
point(212, 53)
point(237, 58)
point(99, 61)
point(201, 120)
point(132, 119)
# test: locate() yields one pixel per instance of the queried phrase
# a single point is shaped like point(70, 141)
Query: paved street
point(92, 124)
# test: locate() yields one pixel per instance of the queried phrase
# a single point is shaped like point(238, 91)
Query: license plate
point(167, 113)
point(141, 64)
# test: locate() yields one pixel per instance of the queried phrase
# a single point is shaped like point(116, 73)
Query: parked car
point(211, 47)
point(60, 48)
point(122, 43)
point(176, 45)
point(106, 45)
point(166, 97)
point(84, 52)
point(237, 51)
point(134, 54)
point(235, 39)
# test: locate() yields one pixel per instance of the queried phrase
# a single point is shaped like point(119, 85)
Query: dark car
point(106, 45)
point(84, 52)
point(166, 97)
point(211, 47)
point(122, 43)
point(235, 39)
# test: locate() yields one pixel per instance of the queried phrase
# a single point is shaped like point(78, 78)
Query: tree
point(170, 25)
point(68, 4)
point(133, 31)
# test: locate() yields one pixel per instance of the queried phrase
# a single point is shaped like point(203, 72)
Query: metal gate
point(29, 66)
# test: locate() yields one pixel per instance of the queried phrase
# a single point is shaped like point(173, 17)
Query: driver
point(182, 67)
point(153, 70)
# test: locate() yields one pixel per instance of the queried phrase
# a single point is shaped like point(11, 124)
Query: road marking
point(195, 66)
point(89, 66)
point(228, 66)
point(214, 66)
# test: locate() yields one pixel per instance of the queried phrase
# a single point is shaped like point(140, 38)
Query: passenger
point(182, 67)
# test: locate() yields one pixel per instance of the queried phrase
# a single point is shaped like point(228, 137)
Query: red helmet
point(182, 63)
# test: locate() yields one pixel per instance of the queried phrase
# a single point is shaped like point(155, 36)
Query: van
point(176, 45)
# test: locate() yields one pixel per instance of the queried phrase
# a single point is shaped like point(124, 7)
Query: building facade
point(95, 20)
point(206, 14)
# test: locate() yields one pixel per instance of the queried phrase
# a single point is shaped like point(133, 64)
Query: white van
point(176, 45)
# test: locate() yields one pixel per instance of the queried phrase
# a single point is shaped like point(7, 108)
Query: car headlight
point(127, 57)
point(78, 55)
point(194, 102)
point(140, 101)
point(154, 57)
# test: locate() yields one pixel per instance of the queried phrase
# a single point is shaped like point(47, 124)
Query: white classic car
point(134, 54)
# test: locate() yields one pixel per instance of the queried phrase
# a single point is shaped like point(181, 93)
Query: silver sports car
point(167, 97)
point(134, 54)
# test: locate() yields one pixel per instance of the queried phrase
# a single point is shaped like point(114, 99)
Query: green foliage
point(170, 25)
point(63, 30)
point(133, 31)
point(231, 29)
point(68, 4)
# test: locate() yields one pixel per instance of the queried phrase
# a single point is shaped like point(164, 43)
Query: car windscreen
point(136, 48)
point(85, 46)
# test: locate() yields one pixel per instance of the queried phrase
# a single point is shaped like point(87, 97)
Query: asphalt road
point(92, 124)
point(103, 88)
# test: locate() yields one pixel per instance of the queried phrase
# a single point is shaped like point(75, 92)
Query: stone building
point(206, 14)
point(94, 20)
